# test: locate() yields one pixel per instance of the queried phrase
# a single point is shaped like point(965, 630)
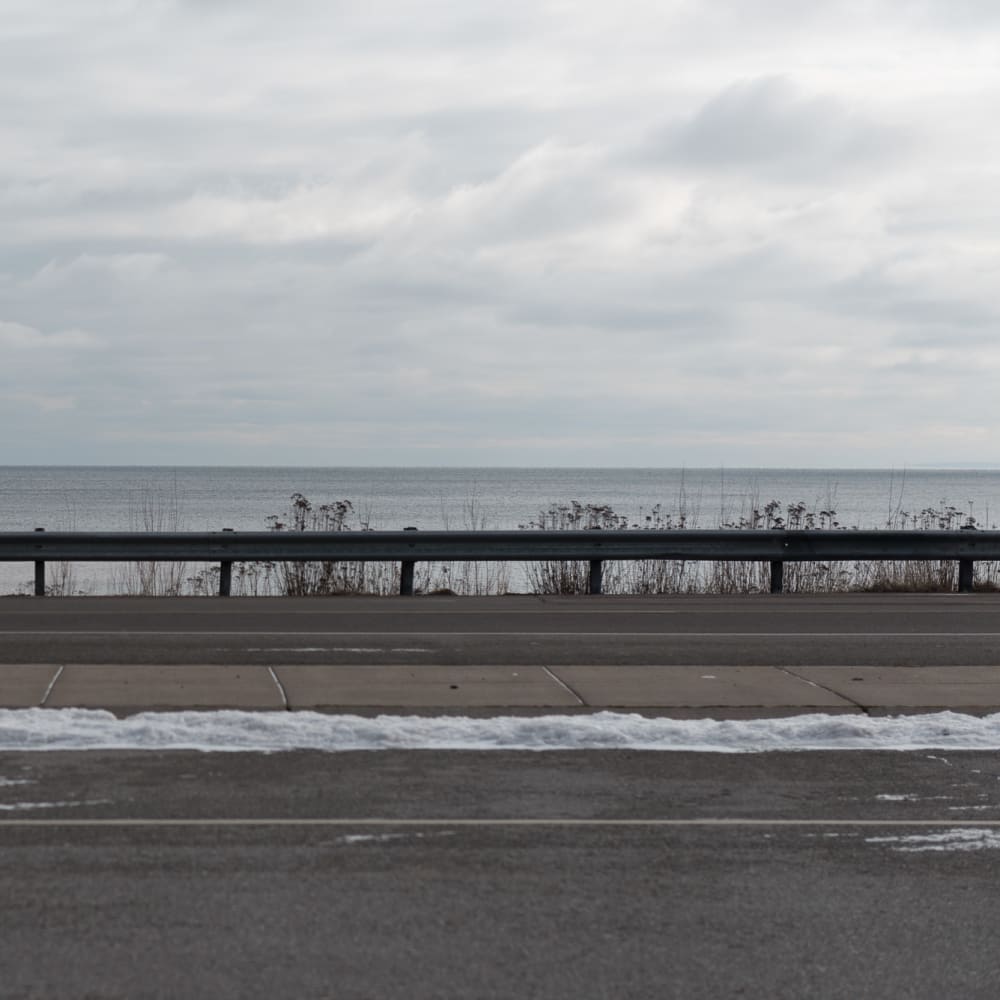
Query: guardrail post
point(225, 575)
point(406, 574)
point(965, 574)
point(777, 576)
point(596, 577)
point(39, 574)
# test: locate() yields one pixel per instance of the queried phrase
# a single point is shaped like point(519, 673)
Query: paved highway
point(861, 629)
point(407, 876)
point(427, 874)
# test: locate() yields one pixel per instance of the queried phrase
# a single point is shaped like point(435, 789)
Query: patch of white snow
point(362, 838)
point(92, 729)
point(20, 806)
point(957, 839)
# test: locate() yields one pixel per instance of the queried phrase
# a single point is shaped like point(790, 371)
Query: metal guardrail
point(409, 547)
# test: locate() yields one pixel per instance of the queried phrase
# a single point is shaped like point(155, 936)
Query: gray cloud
point(768, 126)
point(336, 233)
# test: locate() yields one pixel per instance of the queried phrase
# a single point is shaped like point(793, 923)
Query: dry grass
point(686, 577)
point(152, 509)
point(325, 578)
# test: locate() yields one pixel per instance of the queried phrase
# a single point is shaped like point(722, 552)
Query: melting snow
point(364, 838)
point(18, 806)
point(958, 839)
point(90, 729)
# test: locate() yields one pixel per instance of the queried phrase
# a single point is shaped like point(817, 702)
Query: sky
point(672, 233)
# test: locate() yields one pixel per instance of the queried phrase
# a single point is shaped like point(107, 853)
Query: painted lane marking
point(244, 633)
point(903, 608)
point(381, 822)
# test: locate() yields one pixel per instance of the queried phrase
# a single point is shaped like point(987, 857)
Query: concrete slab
point(23, 685)
point(958, 687)
point(169, 687)
point(694, 686)
point(325, 686)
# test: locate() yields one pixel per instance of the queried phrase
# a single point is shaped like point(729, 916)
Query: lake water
point(123, 498)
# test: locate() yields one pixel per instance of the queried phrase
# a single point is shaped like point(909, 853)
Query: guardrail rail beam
point(408, 547)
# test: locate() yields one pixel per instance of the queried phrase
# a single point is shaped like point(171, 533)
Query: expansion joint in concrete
point(823, 687)
point(281, 688)
point(52, 684)
point(563, 684)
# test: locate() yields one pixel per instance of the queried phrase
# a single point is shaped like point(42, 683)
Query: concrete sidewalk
point(665, 690)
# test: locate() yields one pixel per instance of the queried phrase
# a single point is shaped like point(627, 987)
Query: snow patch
point(19, 806)
point(362, 838)
point(958, 839)
point(911, 797)
point(93, 729)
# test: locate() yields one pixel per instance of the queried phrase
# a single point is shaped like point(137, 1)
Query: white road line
point(852, 610)
point(125, 634)
point(368, 821)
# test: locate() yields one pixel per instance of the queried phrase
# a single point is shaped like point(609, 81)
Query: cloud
point(769, 127)
point(38, 401)
point(18, 337)
point(755, 232)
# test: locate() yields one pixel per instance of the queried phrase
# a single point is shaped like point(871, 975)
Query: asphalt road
point(846, 630)
point(494, 875)
point(426, 874)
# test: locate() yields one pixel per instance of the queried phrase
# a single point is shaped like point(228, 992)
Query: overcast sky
point(500, 232)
